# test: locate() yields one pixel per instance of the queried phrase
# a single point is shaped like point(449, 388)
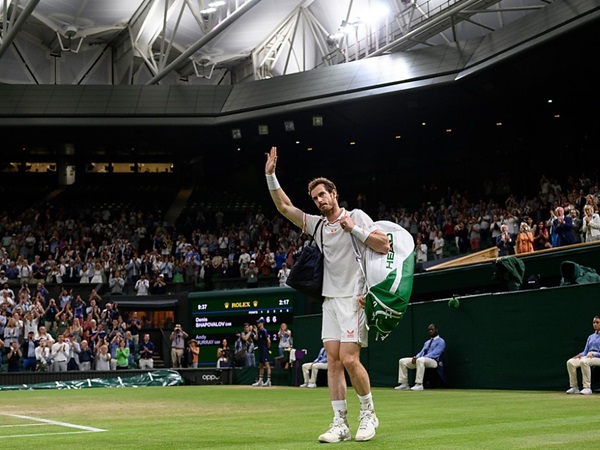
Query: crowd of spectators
point(124, 251)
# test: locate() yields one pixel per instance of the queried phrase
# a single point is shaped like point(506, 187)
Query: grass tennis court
point(243, 417)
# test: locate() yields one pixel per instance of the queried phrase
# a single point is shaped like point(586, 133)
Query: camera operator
point(249, 336)
point(178, 337)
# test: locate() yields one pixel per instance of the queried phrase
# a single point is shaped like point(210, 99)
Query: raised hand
point(271, 161)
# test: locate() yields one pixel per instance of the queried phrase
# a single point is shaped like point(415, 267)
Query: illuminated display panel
point(213, 319)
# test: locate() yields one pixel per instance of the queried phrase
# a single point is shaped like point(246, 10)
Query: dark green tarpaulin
point(155, 378)
point(573, 273)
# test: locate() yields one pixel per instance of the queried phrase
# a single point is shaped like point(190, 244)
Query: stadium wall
point(510, 340)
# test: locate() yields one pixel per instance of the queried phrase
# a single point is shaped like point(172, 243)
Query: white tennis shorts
point(344, 321)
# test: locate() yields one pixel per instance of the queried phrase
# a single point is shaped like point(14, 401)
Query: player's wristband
point(272, 182)
point(360, 233)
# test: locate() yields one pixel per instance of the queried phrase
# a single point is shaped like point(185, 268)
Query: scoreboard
point(214, 318)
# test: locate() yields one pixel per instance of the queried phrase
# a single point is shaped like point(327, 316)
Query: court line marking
point(83, 429)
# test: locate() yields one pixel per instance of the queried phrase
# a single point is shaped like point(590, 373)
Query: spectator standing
point(438, 246)
point(116, 283)
point(194, 353)
point(577, 224)
point(474, 234)
point(31, 321)
point(420, 251)
point(60, 354)
point(103, 358)
point(590, 224)
point(243, 260)
point(284, 335)
point(142, 286)
point(541, 237)
point(122, 354)
point(28, 352)
point(25, 272)
point(13, 357)
point(224, 355)
point(11, 332)
point(74, 350)
point(86, 356)
point(85, 274)
point(524, 241)
point(563, 226)
point(505, 242)
point(43, 356)
point(159, 286)
point(146, 352)
point(283, 274)
point(251, 274)
point(134, 326)
point(72, 273)
point(177, 337)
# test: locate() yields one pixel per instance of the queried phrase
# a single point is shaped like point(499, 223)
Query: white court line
point(53, 422)
point(48, 434)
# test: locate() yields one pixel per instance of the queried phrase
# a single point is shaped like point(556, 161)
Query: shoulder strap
point(319, 224)
point(358, 259)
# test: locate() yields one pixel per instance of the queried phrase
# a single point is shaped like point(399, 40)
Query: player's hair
point(329, 185)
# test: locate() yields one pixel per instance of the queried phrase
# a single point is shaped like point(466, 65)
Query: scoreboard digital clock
point(221, 315)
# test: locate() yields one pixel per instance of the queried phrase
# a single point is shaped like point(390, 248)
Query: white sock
point(340, 409)
point(366, 402)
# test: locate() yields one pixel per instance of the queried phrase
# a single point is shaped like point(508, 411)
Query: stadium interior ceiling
point(507, 116)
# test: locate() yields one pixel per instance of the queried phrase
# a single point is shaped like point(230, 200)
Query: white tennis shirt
point(342, 276)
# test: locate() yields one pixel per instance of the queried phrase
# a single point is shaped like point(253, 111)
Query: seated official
point(427, 358)
point(310, 370)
